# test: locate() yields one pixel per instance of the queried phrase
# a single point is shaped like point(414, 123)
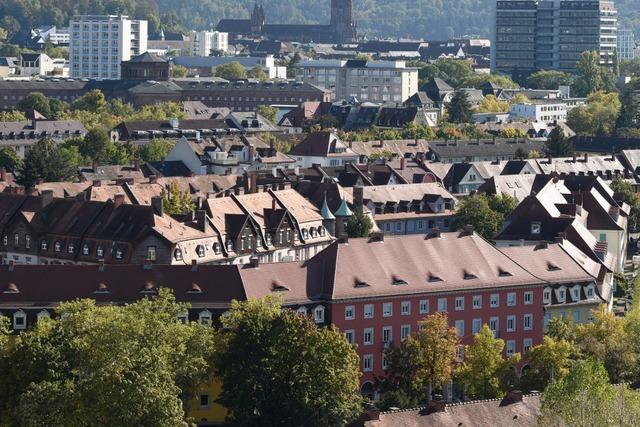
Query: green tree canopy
point(490, 104)
point(50, 162)
point(476, 211)
point(179, 71)
point(231, 71)
point(557, 144)
point(268, 112)
point(549, 79)
point(592, 77)
point(12, 116)
point(598, 116)
point(277, 364)
point(92, 101)
point(10, 160)
point(459, 108)
point(177, 202)
point(257, 72)
point(359, 224)
point(477, 80)
point(106, 365)
point(156, 150)
point(35, 101)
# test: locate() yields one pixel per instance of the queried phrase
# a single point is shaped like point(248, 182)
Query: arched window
point(19, 320)
point(43, 314)
point(205, 317)
point(302, 310)
point(318, 314)
point(177, 254)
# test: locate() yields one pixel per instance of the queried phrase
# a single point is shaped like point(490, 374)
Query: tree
point(92, 101)
point(476, 211)
point(583, 398)
point(512, 134)
point(502, 204)
point(12, 116)
point(557, 145)
point(95, 145)
point(484, 365)
point(231, 71)
point(268, 112)
point(277, 364)
point(591, 76)
point(549, 79)
point(156, 150)
point(10, 160)
point(35, 101)
point(454, 71)
point(179, 71)
point(491, 105)
point(598, 116)
point(628, 110)
point(624, 190)
point(257, 72)
point(478, 80)
point(459, 108)
point(546, 362)
point(49, 162)
point(420, 363)
point(359, 224)
point(175, 201)
point(106, 365)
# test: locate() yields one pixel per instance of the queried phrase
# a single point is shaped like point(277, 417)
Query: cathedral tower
point(343, 23)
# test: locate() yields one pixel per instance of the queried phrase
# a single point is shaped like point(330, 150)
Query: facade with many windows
point(99, 43)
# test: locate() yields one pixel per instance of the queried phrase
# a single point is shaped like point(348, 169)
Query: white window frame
point(477, 302)
point(350, 336)
point(367, 362)
point(318, 314)
point(405, 332)
point(387, 309)
point(349, 312)
point(20, 314)
point(494, 300)
point(405, 308)
point(459, 304)
point(510, 347)
point(527, 319)
point(546, 295)
point(527, 343)
point(511, 299)
point(203, 316)
point(424, 306)
point(442, 305)
point(367, 336)
point(496, 329)
point(528, 297)
point(511, 323)
point(459, 325)
point(476, 326)
point(387, 334)
point(369, 311)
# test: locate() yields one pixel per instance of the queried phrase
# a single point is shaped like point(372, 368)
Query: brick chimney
point(513, 396)
point(3, 175)
point(153, 179)
point(157, 204)
point(118, 200)
point(254, 262)
point(402, 161)
point(97, 183)
point(358, 196)
point(46, 197)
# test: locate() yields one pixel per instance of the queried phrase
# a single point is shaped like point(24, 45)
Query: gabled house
point(322, 148)
point(463, 178)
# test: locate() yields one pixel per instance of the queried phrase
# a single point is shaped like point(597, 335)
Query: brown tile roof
point(402, 192)
point(321, 144)
point(398, 147)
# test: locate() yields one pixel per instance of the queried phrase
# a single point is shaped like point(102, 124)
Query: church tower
point(343, 23)
point(257, 20)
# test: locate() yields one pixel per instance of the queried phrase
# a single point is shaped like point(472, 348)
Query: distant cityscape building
point(203, 43)
point(99, 43)
point(535, 35)
point(49, 34)
point(372, 81)
point(626, 44)
point(341, 28)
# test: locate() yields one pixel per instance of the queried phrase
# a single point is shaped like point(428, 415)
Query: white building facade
point(370, 81)
point(543, 112)
point(203, 43)
point(100, 43)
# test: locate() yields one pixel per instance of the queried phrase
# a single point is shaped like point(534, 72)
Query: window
point(405, 308)
point(119, 253)
point(459, 328)
point(177, 254)
point(576, 293)
point(27, 241)
point(57, 247)
point(387, 334)
point(528, 297)
point(16, 239)
point(367, 362)
point(205, 317)
point(387, 309)
point(459, 303)
point(350, 335)
point(476, 325)
point(385, 362)
point(200, 251)
point(442, 305)
point(4, 240)
point(528, 322)
point(204, 400)
point(494, 323)
point(511, 323)
point(536, 227)
point(368, 311)
point(44, 245)
point(494, 300)
point(318, 314)
point(43, 314)
point(590, 291)
point(368, 336)
point(183, 318)
point(546, 296)
point(576, 316)
point(71, 248)
point(511, 299)
point(100, 251)
point(511, 348)
point(527, 344)
point(85, 249)
point(477, 302)
point(405, 331)
point(19, 320)
point(151, 253)
point(424, 306)
point(349, 312)
point(561, 294)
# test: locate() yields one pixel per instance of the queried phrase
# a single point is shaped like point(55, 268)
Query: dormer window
point(200, 250)
point(43, 314)
point(268, 239)
point(177, 254)
point(318, 314)
point(100, 251)
point(205, 317)
point(27, 241)
point(561, 294)
point(229, 245)
point(44, 245)
point(314, 232)
point(57, 247)
point(85, 249)
point(216, 248)
point(302, 310)
point(16, 239)
point(119, 253)
point(71, 248)
point(5, 240)
point(590, 291)
point(19, 320)
point(322, 231)
point(575, 293)
point(183, 318)
point(305, 233)
point(536, 228)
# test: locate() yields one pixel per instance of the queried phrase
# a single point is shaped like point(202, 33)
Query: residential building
point(551, 111)
point(406, 208)
point(481, 149)
point(203, 66)
point(99, 44)
point(626, 44)
point(204, 43)
point(49, 34)
point(35, 64)
point(535, 35)
point(322, 148)
point(143, 131)
point(372, 81)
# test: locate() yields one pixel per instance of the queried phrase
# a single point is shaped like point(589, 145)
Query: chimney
point(101, 265)
point(153, 179)
point(350, 144)
point(574, 157)
point(343, 238)
point(402, 160)
point(157, 204)
point(194, 265)
point(3, 175)
point(97, 183)
point(514, 396)
point(586, 157)
point(376, 236)
point(253, 183)
point(274, 205)
point(118, 200)
point(415, 141)
point(252, 153)
point(254, 262)
point(136, 164)
point(434, 233)
point(549, 158)
point(201, 219)
point(381, 142)
point(437, 405)
point(613, 155)
point(11, 265)
point(82, 178)
point(46, 197)
point(558, 239)
point(358, 196)
point(468, 230)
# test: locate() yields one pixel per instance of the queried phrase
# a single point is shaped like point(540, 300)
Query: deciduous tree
point(359, 224)
point(231, 71)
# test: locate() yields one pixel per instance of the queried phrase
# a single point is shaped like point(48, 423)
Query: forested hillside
point(432, 19)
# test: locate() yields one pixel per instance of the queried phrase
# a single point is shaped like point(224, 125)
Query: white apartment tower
point(204, 42)
point(99, 43)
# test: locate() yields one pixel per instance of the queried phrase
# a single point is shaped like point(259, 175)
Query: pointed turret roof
point(343, 209)
point(325, 211)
